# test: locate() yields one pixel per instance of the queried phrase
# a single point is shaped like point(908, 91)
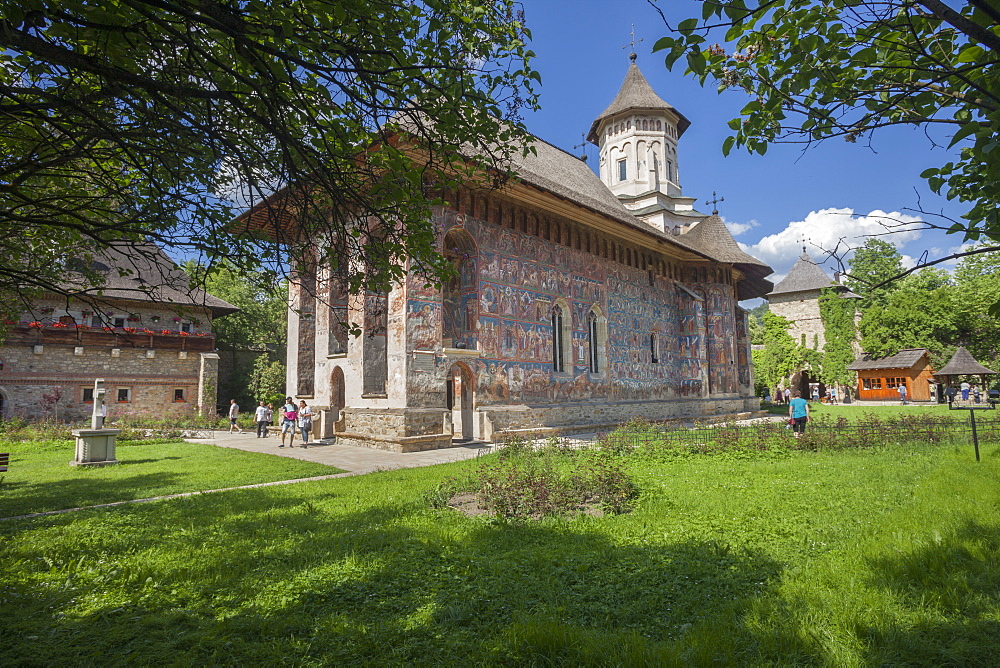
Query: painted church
point(580, 301)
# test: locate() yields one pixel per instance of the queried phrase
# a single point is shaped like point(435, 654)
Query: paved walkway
point(353, 460)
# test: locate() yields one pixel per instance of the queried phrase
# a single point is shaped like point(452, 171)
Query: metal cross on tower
point(631, 45)
point(804, 240)
point(583, 145)
point(715, 203)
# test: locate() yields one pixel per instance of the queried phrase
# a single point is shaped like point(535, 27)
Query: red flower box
point(165, 332)
point(184, 333)
point(59, 324)
point(34, 324)
point(129, 330)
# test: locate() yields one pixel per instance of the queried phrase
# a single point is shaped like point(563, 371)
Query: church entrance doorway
point(459, 397)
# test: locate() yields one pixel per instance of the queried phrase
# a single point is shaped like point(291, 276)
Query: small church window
point(622, 170)
point(592, 342)
point(558, 359)
point(670, 171)
point(658, 125)
point(653, 354)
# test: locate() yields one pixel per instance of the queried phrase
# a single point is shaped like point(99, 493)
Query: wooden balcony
point(99, 338)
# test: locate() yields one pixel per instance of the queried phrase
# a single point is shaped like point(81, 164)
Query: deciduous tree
point(161, 119)
point(817, 69)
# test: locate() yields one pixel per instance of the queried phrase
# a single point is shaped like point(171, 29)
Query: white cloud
point(736, 229)
point(833, 230)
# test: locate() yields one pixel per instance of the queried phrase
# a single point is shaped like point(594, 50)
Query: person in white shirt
point(260, 416)
point(234, 413)
point(305, 422)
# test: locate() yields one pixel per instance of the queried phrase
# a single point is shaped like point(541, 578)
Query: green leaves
point(129, 122)
point(815, 69)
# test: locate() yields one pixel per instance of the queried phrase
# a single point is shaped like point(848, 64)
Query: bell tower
point(637, 136)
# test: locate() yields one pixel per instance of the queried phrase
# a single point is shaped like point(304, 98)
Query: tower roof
point(805, 275)
point(713, 235)
point(636, 93)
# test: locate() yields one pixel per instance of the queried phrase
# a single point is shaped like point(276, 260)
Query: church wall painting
point(507, 316)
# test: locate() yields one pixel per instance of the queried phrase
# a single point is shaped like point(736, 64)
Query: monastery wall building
point(147, 333)
point(580, 302)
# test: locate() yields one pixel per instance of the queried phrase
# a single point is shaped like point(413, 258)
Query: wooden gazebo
point(963, 363)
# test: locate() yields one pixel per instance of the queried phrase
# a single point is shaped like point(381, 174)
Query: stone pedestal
point(95, 447)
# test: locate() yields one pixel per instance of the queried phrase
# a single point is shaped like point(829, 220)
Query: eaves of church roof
point(636, 93)
point(564, 175)
point(804, 275)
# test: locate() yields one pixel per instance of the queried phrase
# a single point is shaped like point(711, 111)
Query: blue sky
point(832, 190)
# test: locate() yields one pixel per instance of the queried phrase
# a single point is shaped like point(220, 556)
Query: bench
point(4, 461)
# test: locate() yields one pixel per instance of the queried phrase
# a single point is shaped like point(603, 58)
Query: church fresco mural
point(500, 304)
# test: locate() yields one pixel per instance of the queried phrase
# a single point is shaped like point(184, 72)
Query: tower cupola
point(637, 136)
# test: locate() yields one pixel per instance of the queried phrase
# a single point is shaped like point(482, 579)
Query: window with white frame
point(124, 395)
point(622, 170)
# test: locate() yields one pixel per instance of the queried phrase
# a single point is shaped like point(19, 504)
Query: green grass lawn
point(40, 477)
point(846, 557)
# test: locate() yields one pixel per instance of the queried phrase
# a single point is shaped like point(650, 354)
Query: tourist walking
point(788, 395)
point(902, 392)
point(965, 391)
point(833, 395)
point(260, 417)
point(798, 412)
point(305, 421)
point(289, 422)
point(270, 415)
point(234, 414)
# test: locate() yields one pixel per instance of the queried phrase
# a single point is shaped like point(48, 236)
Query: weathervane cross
point(631, 45)
point(715, 203)
point(804, 240)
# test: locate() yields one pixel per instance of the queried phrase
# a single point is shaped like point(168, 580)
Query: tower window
point(670, 171)
point(622, 170)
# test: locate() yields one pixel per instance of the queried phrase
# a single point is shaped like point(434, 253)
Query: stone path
point(353, 460)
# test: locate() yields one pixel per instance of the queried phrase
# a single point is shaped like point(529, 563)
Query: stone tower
point(637, 135)
point(796, 298)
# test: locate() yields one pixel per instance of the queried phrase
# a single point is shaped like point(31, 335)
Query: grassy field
point(885, 556)
point(40, 477)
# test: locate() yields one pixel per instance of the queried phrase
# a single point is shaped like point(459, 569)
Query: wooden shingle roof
point(962, 363)
point(636, 93)
point(804, 275)
point(143, 272)
point(904, 359)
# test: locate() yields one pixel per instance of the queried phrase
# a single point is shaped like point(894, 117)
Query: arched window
point(597, 337)
point(595, 364)
point(558, 342)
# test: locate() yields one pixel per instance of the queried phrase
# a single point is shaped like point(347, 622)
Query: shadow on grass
point(257, 576)
point(933, 605)
point(956, 577)
point(22, 498)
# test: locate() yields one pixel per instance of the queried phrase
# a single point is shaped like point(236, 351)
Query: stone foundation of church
point(417, 429)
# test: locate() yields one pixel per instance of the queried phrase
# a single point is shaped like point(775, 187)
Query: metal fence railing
point(869, 432)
